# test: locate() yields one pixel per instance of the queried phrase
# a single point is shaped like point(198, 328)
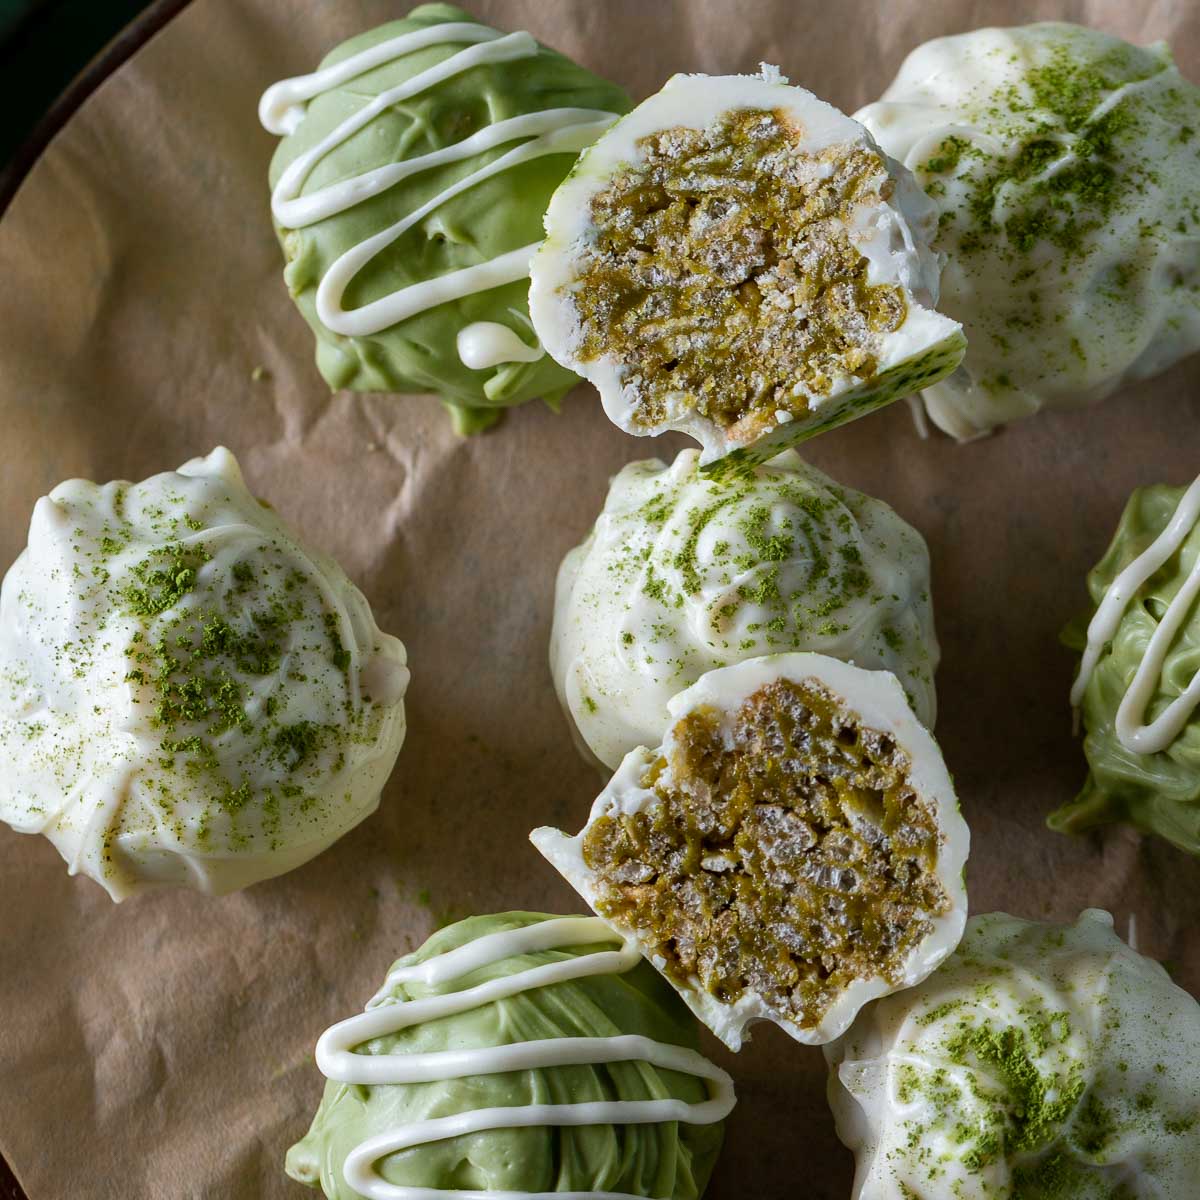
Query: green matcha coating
point(668, 1160)
point(1157, 793)
point(497, 215)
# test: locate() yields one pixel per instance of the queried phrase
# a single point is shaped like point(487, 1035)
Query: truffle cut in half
point(793, 850)
point(738, 260)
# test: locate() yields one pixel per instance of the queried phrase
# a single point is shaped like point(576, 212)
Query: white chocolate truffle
point(793, 850)
point(188, 694)
point(1064, 165)
point(682, 575)
point(737, 260)
point(1039, 1060)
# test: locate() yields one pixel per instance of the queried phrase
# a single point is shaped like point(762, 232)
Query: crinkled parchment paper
point(163, 1048)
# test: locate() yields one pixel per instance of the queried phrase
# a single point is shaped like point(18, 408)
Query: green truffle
point(499, 214)
point(669, 1160)
point(1157, 793)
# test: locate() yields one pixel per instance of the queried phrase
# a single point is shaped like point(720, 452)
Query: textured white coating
point(681, 575)
point(880, 704)
point(922, 1094)
point(213, 742)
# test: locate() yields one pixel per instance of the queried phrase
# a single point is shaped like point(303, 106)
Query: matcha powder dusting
point(1065, 166)
point(187, 693)
point(1041, 1062)
point(683, 575)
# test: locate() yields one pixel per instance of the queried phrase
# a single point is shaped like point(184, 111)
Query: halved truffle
point(738, 260)
point(792, 850)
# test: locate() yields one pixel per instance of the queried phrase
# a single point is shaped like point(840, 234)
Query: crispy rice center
point(724, 278)
point(787, 857)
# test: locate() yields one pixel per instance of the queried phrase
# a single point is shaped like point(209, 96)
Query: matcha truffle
point(516, 1055)
point(408, 194)
point(1038, 1062)
point(188, 694)
point(792, 850)
point(1137, 687)
point(1063, 162)
point(682, 574)
point(738, 260)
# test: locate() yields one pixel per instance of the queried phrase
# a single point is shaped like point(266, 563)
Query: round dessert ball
point(188, 694)
point(1064, 165)
point(1136, 692)
point(793, 848)
point(1039, 1060)
point(408, 192)
point(516, 1054)
point(682, 574)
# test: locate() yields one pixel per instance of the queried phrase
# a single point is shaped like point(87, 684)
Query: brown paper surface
point(163, 1048)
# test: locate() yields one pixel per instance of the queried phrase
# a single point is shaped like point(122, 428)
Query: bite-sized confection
point(188, 694)
point(1038, 1062)
point(1063, 164)
point(1138, 685)
point(408, 194)
point(516, 1055)
point(792, 850)
point(682, 574)
point(738, 260)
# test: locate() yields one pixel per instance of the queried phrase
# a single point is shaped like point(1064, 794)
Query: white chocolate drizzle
point(485, 344)
point(553, 131)
point(385, 1016)
point(1132, 732)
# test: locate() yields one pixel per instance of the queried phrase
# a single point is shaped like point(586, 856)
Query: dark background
point(46, 46)
point(53, 52)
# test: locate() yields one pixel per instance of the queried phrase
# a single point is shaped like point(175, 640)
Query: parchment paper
point(163, 1048)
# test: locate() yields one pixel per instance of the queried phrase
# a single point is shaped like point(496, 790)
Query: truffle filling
point(723, 275)
point(787, 853)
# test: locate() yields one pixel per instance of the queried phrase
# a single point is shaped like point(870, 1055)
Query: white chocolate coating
point(1111, 294)
point(894, 237)
point(188, 694)
point(384, 1016)
point(681, 575)
point(1133, 732)
point(531, 135)
point(880, 704)
point(1038, 1060)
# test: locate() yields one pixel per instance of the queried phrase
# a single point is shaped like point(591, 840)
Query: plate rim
point(113, 55)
